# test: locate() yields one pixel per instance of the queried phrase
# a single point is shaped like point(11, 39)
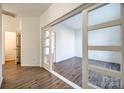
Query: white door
point(103, 46)
point(46, 48)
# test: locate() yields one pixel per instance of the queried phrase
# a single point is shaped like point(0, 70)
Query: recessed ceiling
point(26, 9)
point(75, 22)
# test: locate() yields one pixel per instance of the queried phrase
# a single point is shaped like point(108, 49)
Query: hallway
point(16, 77)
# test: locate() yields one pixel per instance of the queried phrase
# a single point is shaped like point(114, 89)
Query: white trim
point(122, 49)
point(105, 71)
point(50, 48)
point(105, 24)
point(66, 80)
point(85, 50)
point(46, 37)
point(46, 46)
point(41, 48)
point(69, 14)
point(105, 48)
point(95, 6)
point(91, 86)
point(1, 79)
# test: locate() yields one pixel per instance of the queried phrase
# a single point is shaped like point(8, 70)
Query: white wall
point(30, 45)
point(78, 43)
point(10, 24)
point(68, 42)
point(10, 46)
point(56, 11)
point(1, 76)
point(65, 42)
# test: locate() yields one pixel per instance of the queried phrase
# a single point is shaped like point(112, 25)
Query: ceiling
point(26, 9)
point(75, 22)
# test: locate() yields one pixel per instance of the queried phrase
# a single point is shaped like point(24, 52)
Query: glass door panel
point(46, 49)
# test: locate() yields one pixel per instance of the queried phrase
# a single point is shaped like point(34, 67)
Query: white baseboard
point(66, 80)
point(32, 65)
point(1, 79)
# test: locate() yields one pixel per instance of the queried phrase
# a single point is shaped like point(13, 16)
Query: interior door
point(46, 48)
point(103, 42)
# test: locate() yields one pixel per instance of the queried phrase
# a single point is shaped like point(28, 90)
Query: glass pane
point(53, 33)
point(46, 59)
point(103, 81)
point(53, 43)
point(106, 59)
point(110, 36)
point(46, 51)
point(104, 14)
point(47, 42)
point(46, 33)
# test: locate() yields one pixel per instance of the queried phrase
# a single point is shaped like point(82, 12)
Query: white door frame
point(3, 46)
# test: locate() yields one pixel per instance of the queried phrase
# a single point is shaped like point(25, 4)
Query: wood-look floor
point(16, 77)
point(70, 69)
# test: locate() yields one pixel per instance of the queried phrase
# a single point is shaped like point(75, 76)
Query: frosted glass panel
point(110, 36)
point(105, 59)
point(104, 14)
point(47, 42)
point(103, 81)
point(46, 59)
point(46, 51)
point(53, 33)
point(53, 43)
point(47, 33)
point(107, 56)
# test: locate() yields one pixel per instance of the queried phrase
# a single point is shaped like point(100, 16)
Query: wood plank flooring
point(16, 77)
point(70, 69)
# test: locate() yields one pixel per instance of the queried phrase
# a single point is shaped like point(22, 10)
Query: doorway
point(12, 47)
point(68, 62)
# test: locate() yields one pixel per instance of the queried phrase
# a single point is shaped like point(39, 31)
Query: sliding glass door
point(103, 64)
point(102, 47)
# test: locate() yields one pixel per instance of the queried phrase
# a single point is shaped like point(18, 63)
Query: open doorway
point(12, 48)
point(68, 49)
